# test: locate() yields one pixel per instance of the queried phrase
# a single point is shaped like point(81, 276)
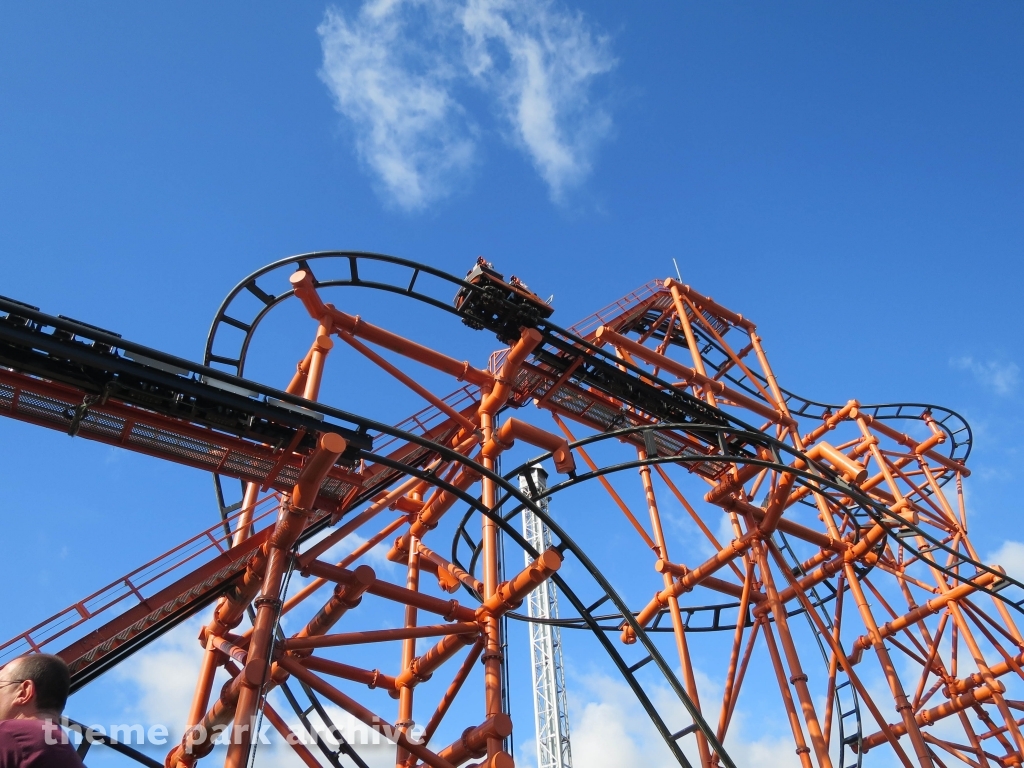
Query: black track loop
point(722, 429)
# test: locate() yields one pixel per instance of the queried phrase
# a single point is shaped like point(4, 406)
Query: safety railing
point(422, 422)
point(135, 587)
point(616, 309)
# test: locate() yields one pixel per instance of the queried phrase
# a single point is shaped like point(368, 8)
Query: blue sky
point(849, 176)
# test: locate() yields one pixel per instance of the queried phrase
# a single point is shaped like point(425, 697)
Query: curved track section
point(810, 555)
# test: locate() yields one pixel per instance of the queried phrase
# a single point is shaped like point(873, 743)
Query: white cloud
point(164, 676)
point(409, 129)
point(552, 58)
point(1011, 556)
point(1001, 378)
point(610, 729)
point(395, 67)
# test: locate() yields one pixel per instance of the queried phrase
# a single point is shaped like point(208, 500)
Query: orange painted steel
point(820, 558)
point(513, 429)
point(302, 283)
point(291, 738)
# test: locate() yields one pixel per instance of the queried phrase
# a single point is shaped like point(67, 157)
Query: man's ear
point(26, 693)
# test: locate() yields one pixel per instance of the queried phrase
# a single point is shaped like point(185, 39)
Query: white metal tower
point(550, 713)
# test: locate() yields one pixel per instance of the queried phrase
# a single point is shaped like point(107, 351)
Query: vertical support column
point(735, 674)
point(204, 686)
point(802, 750)
point(691, 341)
point(306, 367)
point(493, 662)
point(254, 674)
point(492, 657)
point(678, 629)
point(243, 527)
point(318, 356)
point(833, 659)
point(798, 678)
point(903, 705)
point(290, 524)
point(405, 693)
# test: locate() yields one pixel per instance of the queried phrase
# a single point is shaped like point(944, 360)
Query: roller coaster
point(820, 547)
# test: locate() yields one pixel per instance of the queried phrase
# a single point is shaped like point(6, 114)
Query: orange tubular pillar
point(198, 740)
point(678, 627)
point(286, 533)
point(243, 528)
point(691, 341)
point(802, 750)
point(903, 705)
point(492, 656)
point(405, 692)
point(300, 380)
point(318, 356)
point(229, 612)
point(305, 291)
point(798, 678)
point(502, 385)
point(506, 435)
point(226, 616)
point(201, 698)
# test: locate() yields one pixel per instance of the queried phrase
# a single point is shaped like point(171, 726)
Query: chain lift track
point(848, 526)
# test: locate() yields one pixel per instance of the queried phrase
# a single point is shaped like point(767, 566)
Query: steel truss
point(551, 710)
point(839, 522)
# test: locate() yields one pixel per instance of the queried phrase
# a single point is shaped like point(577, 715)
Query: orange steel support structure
point(824, 572)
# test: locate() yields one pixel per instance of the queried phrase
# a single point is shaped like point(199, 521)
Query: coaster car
point(503, 307)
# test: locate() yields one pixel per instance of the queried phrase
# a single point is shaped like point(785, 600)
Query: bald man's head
point(34, 685)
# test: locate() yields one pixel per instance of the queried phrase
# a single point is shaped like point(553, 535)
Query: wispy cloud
point(1001, 378)
point(540, 61)
point(396, 67)
point(409, 130)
